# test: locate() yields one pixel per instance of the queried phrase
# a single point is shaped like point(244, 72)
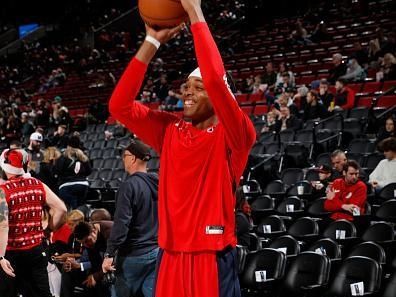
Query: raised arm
point(149, 125)
point(239, 129)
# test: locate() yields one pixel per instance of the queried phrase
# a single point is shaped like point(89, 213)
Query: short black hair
point(343, 81)
point(388, 144)
point(351, 163)
point(82, 230)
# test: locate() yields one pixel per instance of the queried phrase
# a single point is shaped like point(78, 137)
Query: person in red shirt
point(202, 159)
point(348, 195)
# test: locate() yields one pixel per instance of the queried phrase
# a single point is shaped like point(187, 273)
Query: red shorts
point(197, 274)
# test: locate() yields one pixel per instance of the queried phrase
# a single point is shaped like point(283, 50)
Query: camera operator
point(134, 233)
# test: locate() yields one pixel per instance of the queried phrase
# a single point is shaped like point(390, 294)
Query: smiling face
point(197, 105)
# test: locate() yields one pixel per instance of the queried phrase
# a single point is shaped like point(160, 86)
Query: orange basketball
point(162, 13)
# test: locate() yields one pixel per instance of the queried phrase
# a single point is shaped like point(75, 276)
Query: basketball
point(160, 14)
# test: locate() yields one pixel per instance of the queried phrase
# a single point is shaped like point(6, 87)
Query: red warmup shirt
point(196, 200)
point(346, 194)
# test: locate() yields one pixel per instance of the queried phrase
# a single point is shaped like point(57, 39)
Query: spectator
point(100, 214)
point(244, 223)
point(320, 33)
point(35, 152)
point(344, 97)
point(285, 84)
point(347, 196)
point(300, 35)
point(269, 76)
point(324, 95)
point(355, 72)
point(94, 236)
point(338, 160)
point(97, 111)
point(385, 172)
point(360, 54)
point(374, 53)
point(161, 89)
point(72, 169)
point(282, 68)
point(134, 236)
point(313, 109)
point(23, 267)
point(46, 171)
point(270, 123)
point(284, 100)
point(319, 187)
point(26, 127)
point(390, 45)
point(60, 139)
point(338, 70)
point(388, 130)
point(287, 120)
point(388, 67)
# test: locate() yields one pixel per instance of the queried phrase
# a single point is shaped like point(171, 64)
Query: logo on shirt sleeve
point(349, 195)
point(214, 230)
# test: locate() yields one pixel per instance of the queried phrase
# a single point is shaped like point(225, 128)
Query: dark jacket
point(64, 169)
point(243, 227)
point(135, 230)
point(96, 253)
point(314, 112)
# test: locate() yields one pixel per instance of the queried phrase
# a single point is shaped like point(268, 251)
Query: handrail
point(390, 109)
point(376, 98)
point(331, 118)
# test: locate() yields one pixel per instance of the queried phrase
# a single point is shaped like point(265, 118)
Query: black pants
point(31, 276)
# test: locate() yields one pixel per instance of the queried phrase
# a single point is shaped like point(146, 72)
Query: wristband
point(153, 41)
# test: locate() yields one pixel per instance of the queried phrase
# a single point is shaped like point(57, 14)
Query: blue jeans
point(135, 274)
point(73, 195)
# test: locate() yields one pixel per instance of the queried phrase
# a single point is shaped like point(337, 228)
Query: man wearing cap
point(134, 236)
point(320, 186)
point(35, 152)
point(202, 160)
point(22, 199)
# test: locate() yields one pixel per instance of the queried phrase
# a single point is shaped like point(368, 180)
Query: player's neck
point(209, 122)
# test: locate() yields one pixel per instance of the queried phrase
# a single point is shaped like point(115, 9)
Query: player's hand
point(164, 35)
point(7, 268)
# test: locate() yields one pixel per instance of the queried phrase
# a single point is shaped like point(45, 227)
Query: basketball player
point(201, 163)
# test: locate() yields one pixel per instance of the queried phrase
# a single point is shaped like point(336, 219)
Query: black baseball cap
point(324, 169)
point(139, 149)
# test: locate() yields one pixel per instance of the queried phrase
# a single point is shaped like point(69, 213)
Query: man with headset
point(23, 261)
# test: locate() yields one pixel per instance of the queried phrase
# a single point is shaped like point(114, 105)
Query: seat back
point(388, 192)
point(316, 209)
point(308, 269)
point(371, 250)
point(379, 232)
point(263, 202)
point(328, 247)
point(287, 242)
point(271, 261)
point(290, 204)
point(387, 211)
point(290, 176)
point(353, 270)
point(270, 225)
point(340, 225)
point(275, 186)
point(303, 227)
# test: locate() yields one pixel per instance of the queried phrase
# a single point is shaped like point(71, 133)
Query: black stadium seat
point(267, 262)
point(308, 273)
point(354, 270)
point(371, 250)
point(271, 227)
point(287, 244)
point(328, 247)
